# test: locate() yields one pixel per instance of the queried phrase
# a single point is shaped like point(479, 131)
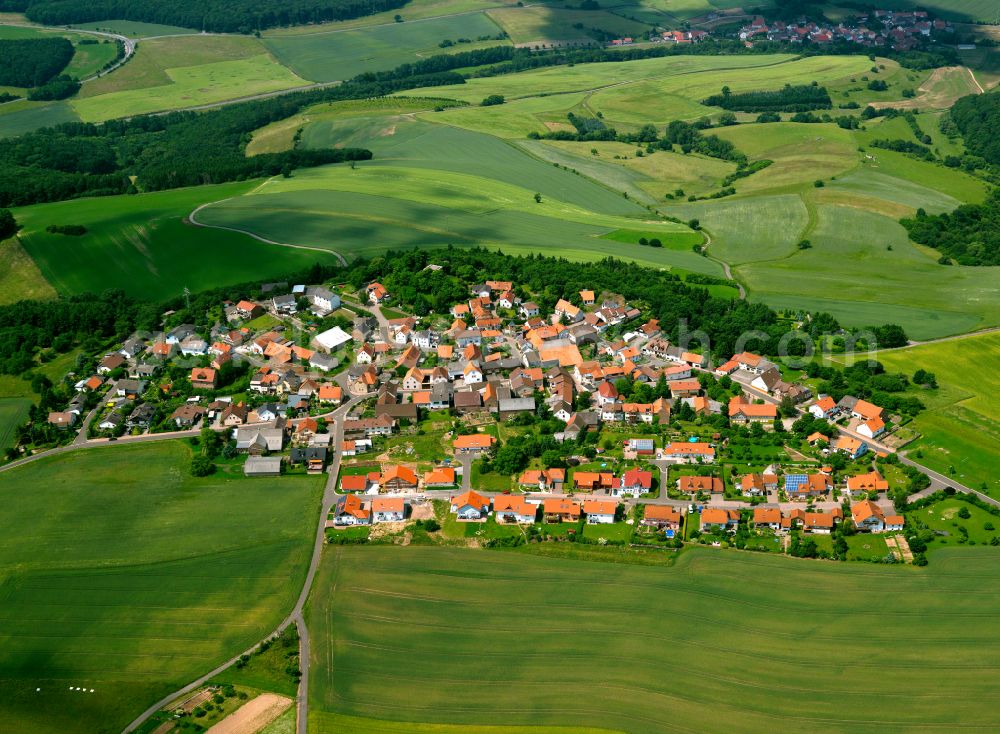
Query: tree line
point(798, 98)
point(969, 235)
point(33, 62)
point(221, 16)
point(978, 119)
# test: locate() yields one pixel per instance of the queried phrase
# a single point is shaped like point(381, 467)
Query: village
point(505, 415)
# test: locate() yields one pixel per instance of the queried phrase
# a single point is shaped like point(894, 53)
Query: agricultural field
point(22, 116)
point(959, 433)
point(413, 10)
point(339, 54)
point(21, 279)
point(13, 412)
point(428, 186)
point(123, 574)
point(516, 622)
point(539, 24)
point(143, 245)
point(176, 73)
point(136, 29)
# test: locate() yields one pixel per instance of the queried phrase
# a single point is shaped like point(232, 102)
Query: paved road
point(940, 481)
point(127, 42)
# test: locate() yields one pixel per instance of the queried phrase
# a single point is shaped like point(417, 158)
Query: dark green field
point(121, 573)
point(719, 642)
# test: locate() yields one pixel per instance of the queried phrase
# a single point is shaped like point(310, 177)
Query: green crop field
point(20, 278)
point(142, 245)
point(341, 54)
point(436, 636)
point(959, 430)
point(123, 574)
point(22, 116)
point(432, 185)
point(175, 73)
point(541, 24)
point(13, 412)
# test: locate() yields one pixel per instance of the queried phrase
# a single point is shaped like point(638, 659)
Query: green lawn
point(122, 573)
point(942, 518)
point(339, 54)
point(516, 621)
point(142, 245)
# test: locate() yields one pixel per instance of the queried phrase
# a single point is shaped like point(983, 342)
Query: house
point(684, 388)
point(248, 309)
point(473, 443)
point(509, 407)
point(697, 485)
point(322, 299)
point(752, 362)
point(560, 510)
point(112, 421)
point(636, 482)
point(63, 419)
point(716, 519)
point(377, 293)
point(110, 363)
point(865, 411)
point(141, 417)
point(529, 309)
point(767, 518)
point(821, 523)
point(388, 509)
point(641, 446)
point(513, 508)
point(350, 510)
point(193, 346)
point(589, 481)
point(470, 506)
point(766, 381)
point(757, 485)
point(442, 476)
point(862, 484)
point(203, 378)
point(801, 486)
point(398, 478)
point(354, 483)
point(600, 512)
point(330, 394)
point(851, 446)
point(742, 411)
point(544, 479)
point(661, 517)
point(868, 517)
point(587, 298)
point(262, 466)
point(132, 347)
point(688, 452)
point(825, 407)
point(871, 428)
point(90, 384)
point(467, 401)
point(314, 457)
point(187, 415)
point(130, 389)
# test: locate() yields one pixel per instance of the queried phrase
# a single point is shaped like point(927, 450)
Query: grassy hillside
point(959, 432)
point(339, 54)
point(460, 637)
point(175, 73)
point(123, 574)
point(142, 245)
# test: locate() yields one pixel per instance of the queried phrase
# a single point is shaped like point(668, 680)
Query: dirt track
point(253, 716)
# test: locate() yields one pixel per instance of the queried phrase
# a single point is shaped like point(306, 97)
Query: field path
point(253, 716)
point(725, 266)
point(192, 217)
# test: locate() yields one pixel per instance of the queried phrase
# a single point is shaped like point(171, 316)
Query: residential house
point(187, 415)
point(713, 519)
point(314, 457)
point(110, 363)
point(142, 416)
point(862, 484)
point(600, 512)
point(62, 419)
point(377, 293)
point(757, 485)
point(442, 476)
point(589, 481)
point(350, 510)
point(204, 378)
point(803, 486)
point(689, 452)
point(697, 485)
point(766, 518)
point(398, 478)
point(322, 299)
point(388, 509)
point(851, 446)
point(560, 510)
point(871, 428)
point(470, 506)
point(544, 479)
point(825, 407)
point(661, 517)
point(513, 508)
point(473, 443)
point(742, 411)
point(868, 517)
point(635, 482)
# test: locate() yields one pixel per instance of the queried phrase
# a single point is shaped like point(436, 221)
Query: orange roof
point(388, 504)
point(716, 516)
point(353, 506)
point(93, 383)
point(441, 475)
point(470, 498)
point(561, 506)
point(587, 295)
point(662, 512)
point(513, 503)
point(678, 385)
point(445, 351)
point(701, 484)
point(868, 410)
point(202, 374)
point(354, 483)
point(866, 509)
point(330, 392)
point(422, 397)
point(246, 305)
point(599, 507)
point(766, 515)
point(817, 436)
point(402, 473)
point(867, 482)
point(826, 403)
point(474, 441)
